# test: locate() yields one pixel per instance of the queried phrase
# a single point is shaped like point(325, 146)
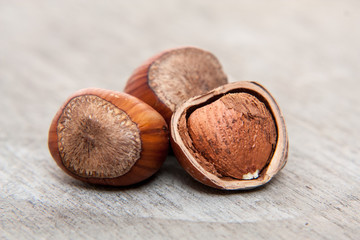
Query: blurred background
point(305, 52)
point(57, 47)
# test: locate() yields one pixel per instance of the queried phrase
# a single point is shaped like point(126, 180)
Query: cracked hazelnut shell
point(107, 137)
point(233, 137)
point(173, 76)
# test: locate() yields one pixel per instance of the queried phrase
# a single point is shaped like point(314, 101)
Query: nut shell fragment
point(190, 157)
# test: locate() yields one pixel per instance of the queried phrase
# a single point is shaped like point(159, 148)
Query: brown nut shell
point(173, 76)
point(109, 138)
point(201, 163)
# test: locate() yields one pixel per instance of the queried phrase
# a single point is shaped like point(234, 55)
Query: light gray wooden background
point(307, 53)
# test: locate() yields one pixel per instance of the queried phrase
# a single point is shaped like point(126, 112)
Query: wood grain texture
point(306, 53)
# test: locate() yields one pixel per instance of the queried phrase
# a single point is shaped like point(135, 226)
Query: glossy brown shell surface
point(192, 74)
point(154, 137)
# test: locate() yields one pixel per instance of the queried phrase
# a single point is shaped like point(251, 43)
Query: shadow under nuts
point(233, 137)
point(107, 137)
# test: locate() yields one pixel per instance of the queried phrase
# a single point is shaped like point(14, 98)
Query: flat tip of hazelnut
point(97, 139)
point(182, 73)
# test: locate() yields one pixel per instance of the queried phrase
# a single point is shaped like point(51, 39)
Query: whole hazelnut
point(233, 137)
point(106, 137)
point(173, 76)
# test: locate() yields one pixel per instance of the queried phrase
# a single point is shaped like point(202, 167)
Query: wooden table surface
point(307, 53)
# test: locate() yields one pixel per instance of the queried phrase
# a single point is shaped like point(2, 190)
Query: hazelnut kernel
point(233, 137)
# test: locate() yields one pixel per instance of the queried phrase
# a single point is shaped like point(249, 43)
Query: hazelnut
point(107, 137)
point(173, 76)
point(233, 137)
